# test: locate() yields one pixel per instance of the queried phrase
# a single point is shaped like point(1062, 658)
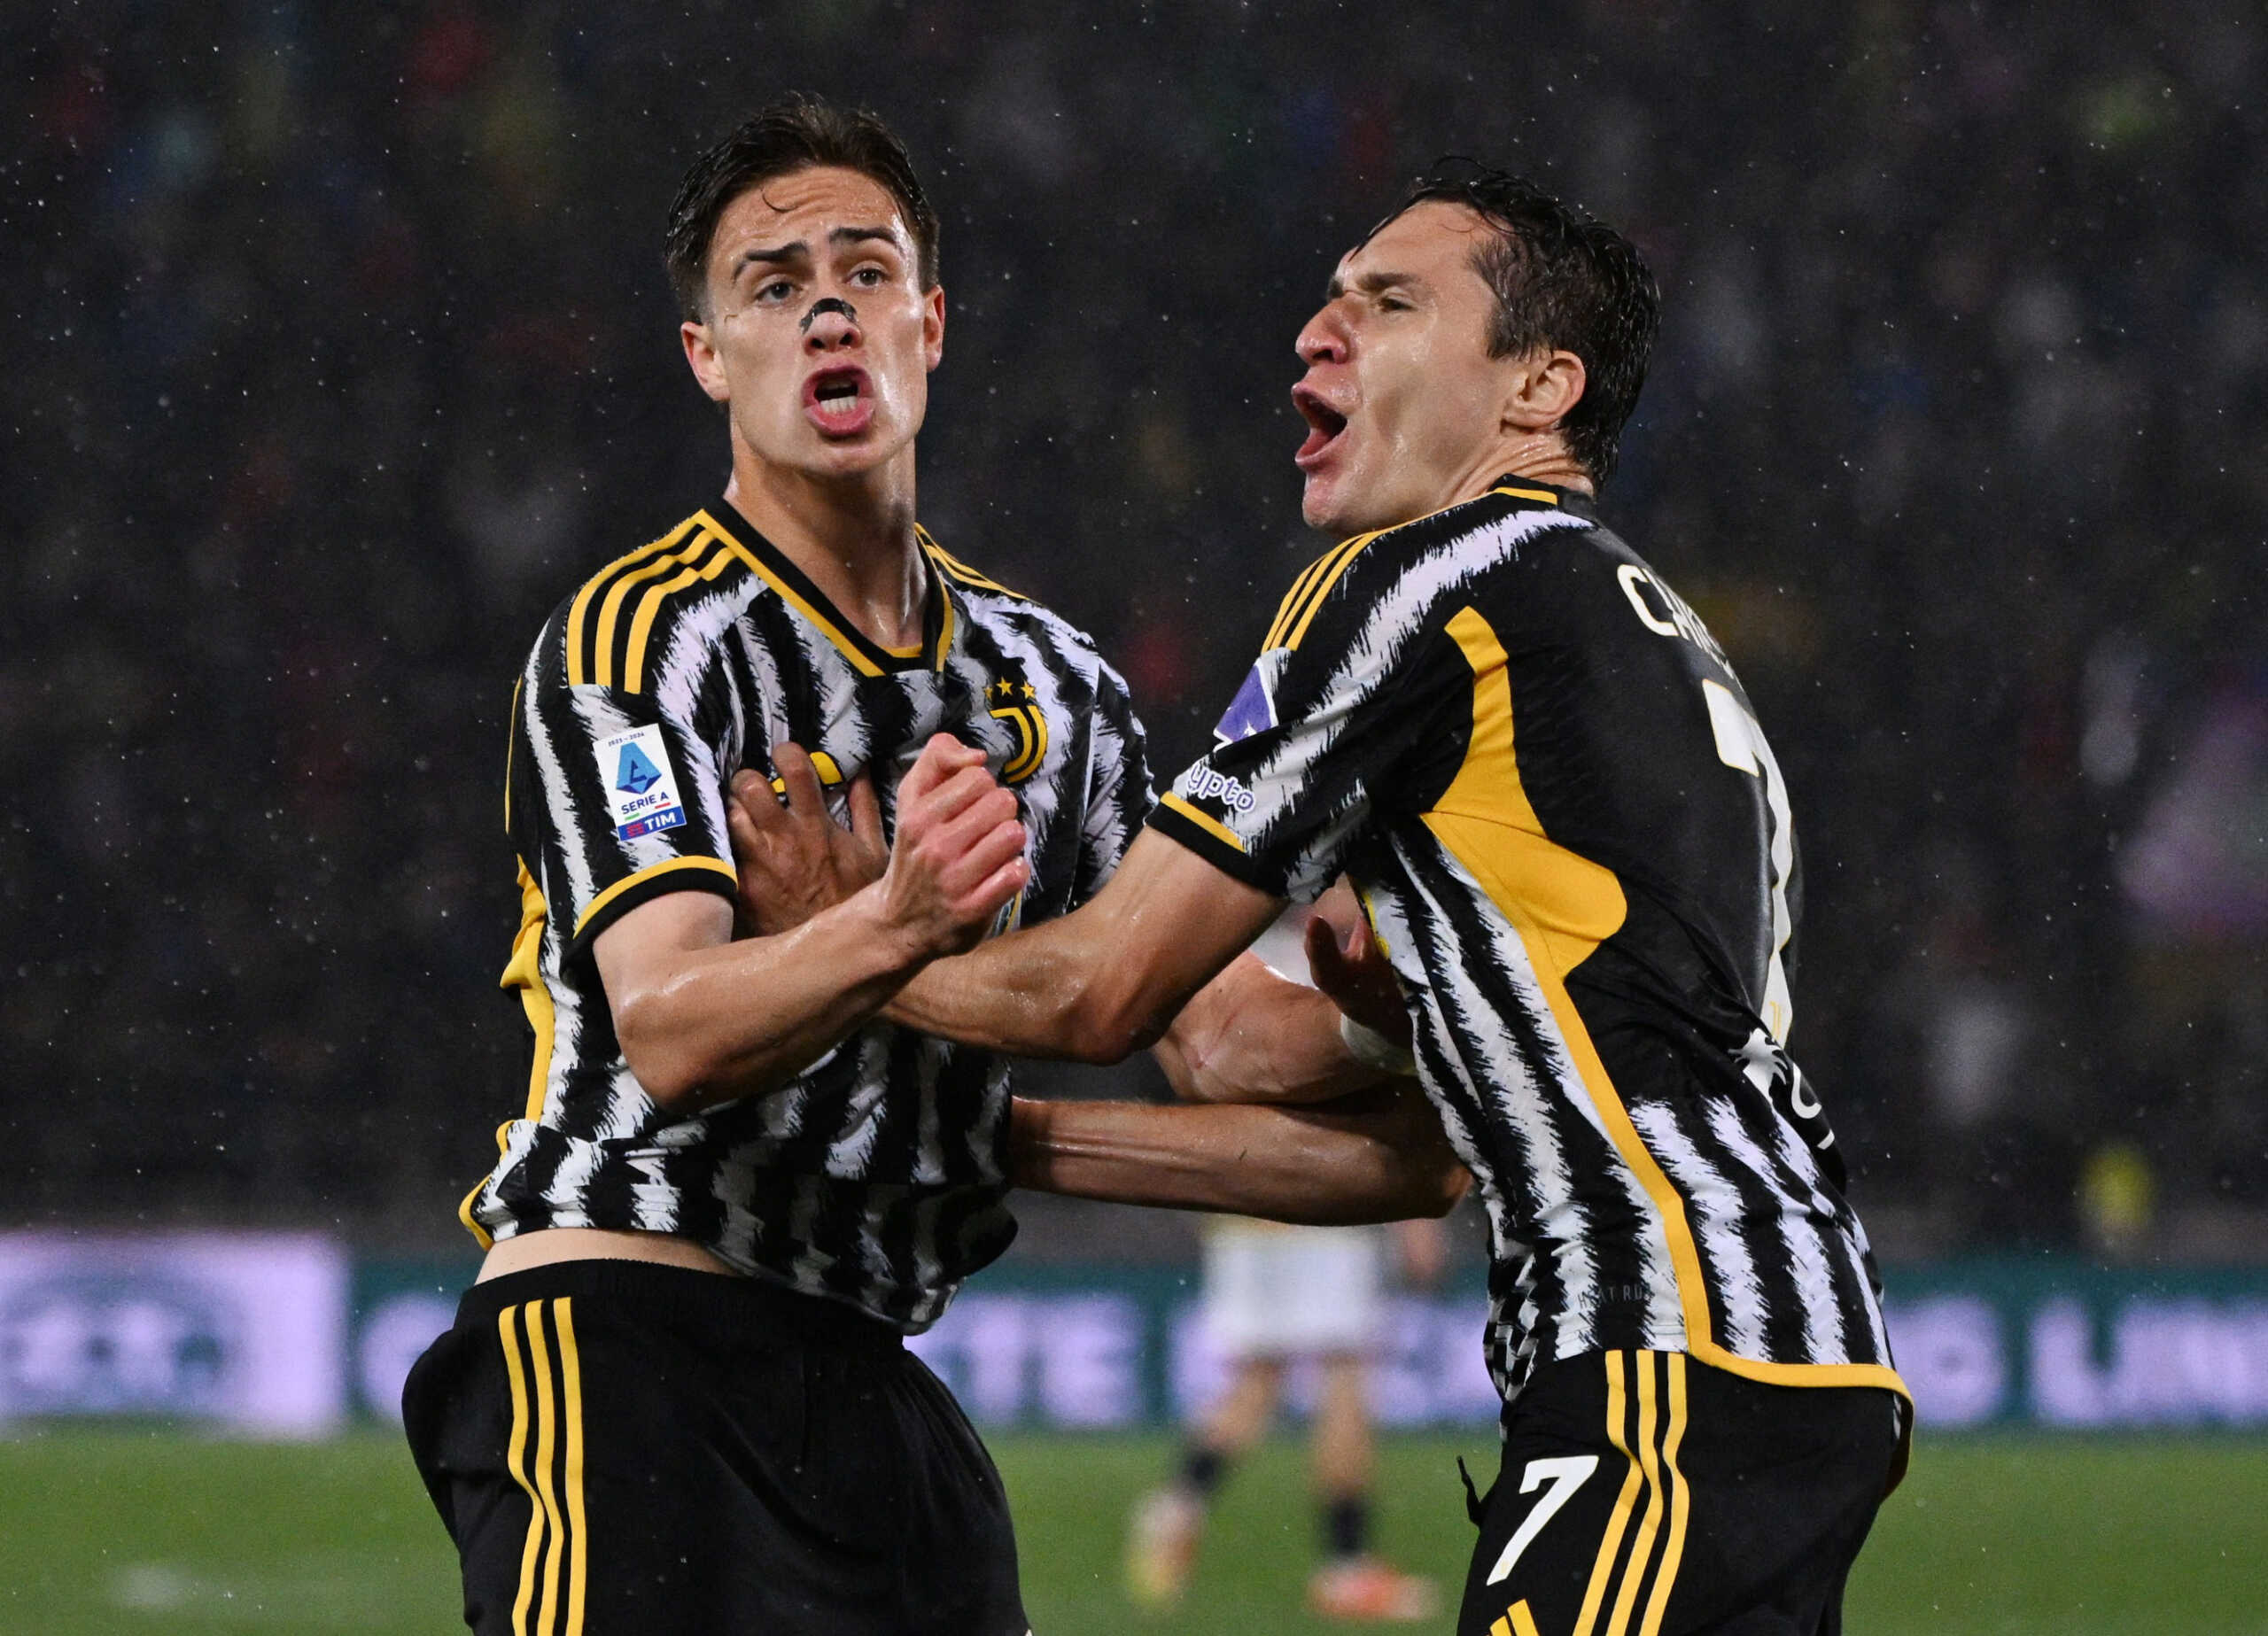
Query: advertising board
point(284, 1334)
point(245, 1331)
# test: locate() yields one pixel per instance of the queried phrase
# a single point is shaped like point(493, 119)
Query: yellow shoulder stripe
point(952, 565)
point(1330, 578)
point(1307, 600)
point(1299, 606)
point(578, 617)
point(1283, 609)
point(641, 627)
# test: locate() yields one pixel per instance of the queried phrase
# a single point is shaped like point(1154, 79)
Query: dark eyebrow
point(796, 251)
point(800, 250)
point(1368, 283)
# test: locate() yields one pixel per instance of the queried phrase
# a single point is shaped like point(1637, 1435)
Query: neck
point(853, 535)
point(1541, 456)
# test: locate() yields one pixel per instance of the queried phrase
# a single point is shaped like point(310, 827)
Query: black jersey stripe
point(698, 571)
point(610, 637)
point(579, 660)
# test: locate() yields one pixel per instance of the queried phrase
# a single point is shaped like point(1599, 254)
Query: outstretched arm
point(1377, 1156)
point(1156, 958)
point(1112, 976)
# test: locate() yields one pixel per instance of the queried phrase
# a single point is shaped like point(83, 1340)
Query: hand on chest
point(878, 724)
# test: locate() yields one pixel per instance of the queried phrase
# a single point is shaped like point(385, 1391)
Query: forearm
point(1361, 1159)
point(1250, 1036)
point(1032, 993)
point(741, 1018)
point(1098, 984)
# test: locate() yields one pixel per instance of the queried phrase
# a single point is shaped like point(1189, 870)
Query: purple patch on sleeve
point(1254, 709)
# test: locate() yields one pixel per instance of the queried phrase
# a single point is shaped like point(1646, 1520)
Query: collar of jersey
point(940, 616)
point(1538, 493)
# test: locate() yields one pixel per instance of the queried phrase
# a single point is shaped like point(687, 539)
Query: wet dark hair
point(793, 133)
point(1561, 279)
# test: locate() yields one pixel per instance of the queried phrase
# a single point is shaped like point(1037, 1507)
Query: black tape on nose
point(828, 304)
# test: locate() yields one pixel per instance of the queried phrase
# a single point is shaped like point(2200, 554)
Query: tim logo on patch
point(641, 792)
point(1254, 709)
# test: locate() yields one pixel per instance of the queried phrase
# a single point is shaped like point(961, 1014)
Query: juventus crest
point(1012, 701)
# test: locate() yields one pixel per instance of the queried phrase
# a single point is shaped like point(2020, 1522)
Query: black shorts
point(623, 1449)
point(1645, 1494)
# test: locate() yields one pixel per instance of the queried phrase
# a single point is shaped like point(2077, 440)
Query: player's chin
point(1322, 505)
point(827, 455)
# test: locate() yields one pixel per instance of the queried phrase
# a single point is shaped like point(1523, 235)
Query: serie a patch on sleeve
point(640, 789)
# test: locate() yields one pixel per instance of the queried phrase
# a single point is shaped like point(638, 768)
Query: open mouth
point(840, 401)
point(1324, 424)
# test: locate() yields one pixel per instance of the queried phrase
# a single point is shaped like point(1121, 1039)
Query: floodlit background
point(337, 351)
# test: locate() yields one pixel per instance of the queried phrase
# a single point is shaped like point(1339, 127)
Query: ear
point(1543, 387)
point(708, 368)
point(933, 327)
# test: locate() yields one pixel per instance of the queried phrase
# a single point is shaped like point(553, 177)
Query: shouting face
point(818, 336)
point(1405, 407)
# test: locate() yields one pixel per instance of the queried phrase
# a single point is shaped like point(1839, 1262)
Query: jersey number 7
point(1565, 1475)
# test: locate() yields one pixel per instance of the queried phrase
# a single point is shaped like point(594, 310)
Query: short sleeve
point(615, 801)
point(1312, 743)
point(1118, 794)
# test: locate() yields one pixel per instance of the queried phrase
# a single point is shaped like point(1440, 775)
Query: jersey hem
point(1771, 1374)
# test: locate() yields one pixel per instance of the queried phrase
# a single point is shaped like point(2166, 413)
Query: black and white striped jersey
point(1537, 767)
point(875, 1177)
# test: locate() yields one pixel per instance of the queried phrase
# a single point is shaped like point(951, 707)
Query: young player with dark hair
point(1575, 849)
point(677, 1400)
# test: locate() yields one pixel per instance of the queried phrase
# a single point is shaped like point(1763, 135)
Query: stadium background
point(337, 349)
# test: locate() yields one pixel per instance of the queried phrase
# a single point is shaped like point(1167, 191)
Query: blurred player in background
point(678, 1397)
point(1575, 849)
point(1275, 1295)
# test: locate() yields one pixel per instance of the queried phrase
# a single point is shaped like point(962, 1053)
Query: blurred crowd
point(339, 351)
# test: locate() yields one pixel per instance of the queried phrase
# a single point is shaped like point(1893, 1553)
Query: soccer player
point(1574, 846)
point(677, 1398)
point(1274, 1296)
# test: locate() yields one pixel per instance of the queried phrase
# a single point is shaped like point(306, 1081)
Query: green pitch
point(110, 1533)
